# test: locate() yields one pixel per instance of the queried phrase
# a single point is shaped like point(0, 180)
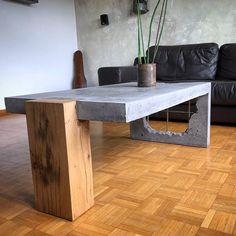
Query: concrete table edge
point(116, 110)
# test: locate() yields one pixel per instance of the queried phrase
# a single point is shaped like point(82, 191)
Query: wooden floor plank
point(141, 188)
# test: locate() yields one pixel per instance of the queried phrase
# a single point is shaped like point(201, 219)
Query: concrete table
point(59, 139)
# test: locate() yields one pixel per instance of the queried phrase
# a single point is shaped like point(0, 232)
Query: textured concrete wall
point(188, 21)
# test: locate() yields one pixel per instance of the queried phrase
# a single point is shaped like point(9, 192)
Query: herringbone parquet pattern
point(141, 188)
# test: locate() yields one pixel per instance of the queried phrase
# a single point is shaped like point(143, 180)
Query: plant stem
point(150, 30)
point(162, 27)
point(141, 34)
point(139, 46)
point(158, 28)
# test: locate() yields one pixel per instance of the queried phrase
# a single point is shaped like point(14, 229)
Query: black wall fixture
point(26, 1)
point(104, 19)
point(143, 6)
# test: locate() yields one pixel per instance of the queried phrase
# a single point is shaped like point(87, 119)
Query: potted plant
point(146, 65)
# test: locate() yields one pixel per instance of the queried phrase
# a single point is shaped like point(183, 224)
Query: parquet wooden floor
point(141, 188)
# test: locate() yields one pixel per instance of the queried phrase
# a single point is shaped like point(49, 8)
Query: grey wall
point(36, 47)
point(188, 21)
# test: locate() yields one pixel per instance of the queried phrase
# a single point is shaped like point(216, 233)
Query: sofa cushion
point(227, 62)
point(117, 74)
point(223, 93)
point(186, 62)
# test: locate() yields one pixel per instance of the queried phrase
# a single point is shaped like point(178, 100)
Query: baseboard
point(4, 113)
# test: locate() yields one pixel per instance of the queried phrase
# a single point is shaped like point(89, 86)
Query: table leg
point(60, 157)
point(197, 134)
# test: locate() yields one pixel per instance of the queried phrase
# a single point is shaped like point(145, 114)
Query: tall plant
point(159, 31)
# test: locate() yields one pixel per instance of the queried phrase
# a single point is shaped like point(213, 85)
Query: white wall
point(187, 21)
point(36, 47)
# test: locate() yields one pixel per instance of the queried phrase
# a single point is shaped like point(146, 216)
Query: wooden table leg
point(60, 157)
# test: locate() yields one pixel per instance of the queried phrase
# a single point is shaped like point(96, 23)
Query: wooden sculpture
point(79, 78)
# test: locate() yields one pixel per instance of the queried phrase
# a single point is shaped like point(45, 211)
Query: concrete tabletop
point(119, 102)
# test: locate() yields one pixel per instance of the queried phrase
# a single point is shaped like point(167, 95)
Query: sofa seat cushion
point(227, 62)
point(223, 93)
point(186, 62)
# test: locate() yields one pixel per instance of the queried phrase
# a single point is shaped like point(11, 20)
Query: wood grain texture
point(79, 77)
point(60, 157)
point(141, 188)
point(3, 113)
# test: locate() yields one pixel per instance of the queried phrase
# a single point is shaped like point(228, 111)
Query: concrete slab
point(120, 102)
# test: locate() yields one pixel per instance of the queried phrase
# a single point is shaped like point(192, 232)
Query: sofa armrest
point(117, 75)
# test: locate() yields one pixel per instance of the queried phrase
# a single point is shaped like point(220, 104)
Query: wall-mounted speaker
point(142, 6)
point(104, 19)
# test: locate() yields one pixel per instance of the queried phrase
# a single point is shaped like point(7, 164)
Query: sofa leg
point(197, 134)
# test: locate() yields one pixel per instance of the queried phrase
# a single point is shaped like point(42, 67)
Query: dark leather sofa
point(190, 63)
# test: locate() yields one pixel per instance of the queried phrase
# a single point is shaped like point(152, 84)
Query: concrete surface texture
point(119, 103)
point(197, 134)
point(188, 21)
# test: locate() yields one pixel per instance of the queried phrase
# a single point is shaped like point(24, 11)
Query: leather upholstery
point(116, 75)
point(219, 114)
point(223, 93)
point(227, 62)
point(186, 62)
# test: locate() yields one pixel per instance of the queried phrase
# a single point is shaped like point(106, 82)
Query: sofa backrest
point(227, 62)
point(193, 62)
